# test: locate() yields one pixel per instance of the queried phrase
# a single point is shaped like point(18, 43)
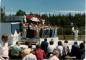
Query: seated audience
point(14, 51)
point(51, 47)
point(66, 50)
point(60, 49)
point(40, 54)
point(82, 51)
point(44, 45)
point(27, 55)
point(55, 55)
point(75, 51)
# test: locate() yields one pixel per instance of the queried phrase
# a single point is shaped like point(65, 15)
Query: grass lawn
point(70, 37)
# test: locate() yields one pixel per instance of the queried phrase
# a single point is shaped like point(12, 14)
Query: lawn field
point(70, 37)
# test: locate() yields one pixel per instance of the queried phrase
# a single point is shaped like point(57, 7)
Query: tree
point(20, 13)
point(2, 15)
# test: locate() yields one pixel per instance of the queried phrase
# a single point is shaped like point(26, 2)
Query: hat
point(26, 51)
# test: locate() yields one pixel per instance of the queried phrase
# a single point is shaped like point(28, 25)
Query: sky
point(43, 6)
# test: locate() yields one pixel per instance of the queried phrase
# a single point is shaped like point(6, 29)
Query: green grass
point(70, 37)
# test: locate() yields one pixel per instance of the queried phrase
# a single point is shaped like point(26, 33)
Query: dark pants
point(5, 58)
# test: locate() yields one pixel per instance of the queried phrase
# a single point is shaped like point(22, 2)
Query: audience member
point(75, 51)
point(55, 55)
point(40, 54)
point(44, 45)
point(51, 47)
point(27, 55)
point(60, 48)
point(4, 49)
point(14, 51)
point(66, 50)
point(82, 51)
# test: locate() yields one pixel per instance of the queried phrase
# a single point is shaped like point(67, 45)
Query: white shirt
point(66, 47)
point(4, 50)
point(31, 27)
point(30, 57)
point(54, 58)
point(51, 48)
point(61, 48)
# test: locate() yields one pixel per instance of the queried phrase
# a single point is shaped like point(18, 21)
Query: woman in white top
point(60, 48)
point(51, 47)
point(4, 49)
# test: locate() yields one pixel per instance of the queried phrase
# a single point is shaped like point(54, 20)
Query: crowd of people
point(42, 51)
